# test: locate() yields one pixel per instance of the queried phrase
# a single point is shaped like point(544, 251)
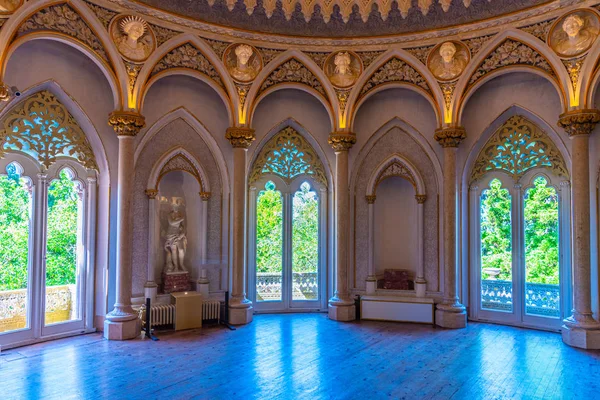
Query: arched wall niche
point(187, 95)
point(396, 141)
point(183, 140)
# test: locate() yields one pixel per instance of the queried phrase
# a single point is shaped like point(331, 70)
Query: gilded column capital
point(579, 122)
point(421, 198)
point(240, 137)
point(371, 199)
point(450, 137)
point(151, 193)
point(205, 196)
point(126, 123)
point(5, 92)
point(341, 141)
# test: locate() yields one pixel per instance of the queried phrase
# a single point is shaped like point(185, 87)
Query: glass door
point(286, 245)
point(63, 261)
point(16, 294)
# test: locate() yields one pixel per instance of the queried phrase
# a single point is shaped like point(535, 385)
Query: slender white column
point(450, 313)
point(205, 196)
point(40, 210)
point(122, 322)
point(240, 308)
point(420, 282)
point(341, 306)
point(371, 276)
point(581, 329)
point(151, 288)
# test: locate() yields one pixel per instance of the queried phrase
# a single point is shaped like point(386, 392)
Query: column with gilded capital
point(450, 313)
point(341, 305)
point(581, 329)
point(240, 308)
point(122, 322)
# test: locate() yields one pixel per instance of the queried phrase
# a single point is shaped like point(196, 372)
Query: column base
point(122, 330)
point(202, 288)
point(150, 291)
point(581, 338)
point(371, 286)
point(450, 319)
point(342, 313)
point(241, 316)
point(420, 289)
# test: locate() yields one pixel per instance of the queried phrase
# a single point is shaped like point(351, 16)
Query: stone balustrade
point(305, 286)
point(540, 299)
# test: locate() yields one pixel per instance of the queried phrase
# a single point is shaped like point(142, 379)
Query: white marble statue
point(175, 241)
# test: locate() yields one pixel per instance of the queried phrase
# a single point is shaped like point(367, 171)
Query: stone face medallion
point(133, 37)
point(448, 60)
point(9, 6)
point(343, 68)
point(574, 33)
point(243, 62)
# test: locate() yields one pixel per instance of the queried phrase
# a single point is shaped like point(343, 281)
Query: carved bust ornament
point(574, 33)
point(9, 6)
point(243, 62)
point(343, 68)
point(448, 60)
point(134, 39)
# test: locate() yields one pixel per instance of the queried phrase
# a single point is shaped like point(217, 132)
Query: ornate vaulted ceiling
point(341, 18)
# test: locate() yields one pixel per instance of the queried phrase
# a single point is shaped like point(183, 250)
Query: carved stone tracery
point(395, 168)
point(288, 155)
point(43, 127)
point(292, 71)
point(510, 53)
point(188, 56)
point(63, 19)
point(395, 70)
point(180, 162)
point(515, 148)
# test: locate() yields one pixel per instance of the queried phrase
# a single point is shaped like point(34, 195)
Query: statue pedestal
point(176, 282)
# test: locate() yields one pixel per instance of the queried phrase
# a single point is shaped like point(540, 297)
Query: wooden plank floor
point(307, 356)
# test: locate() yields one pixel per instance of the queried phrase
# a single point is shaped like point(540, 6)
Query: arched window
point(47, 201)
point(287, 254)
point(519, 202)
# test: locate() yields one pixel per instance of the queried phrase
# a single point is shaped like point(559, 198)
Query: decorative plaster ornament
point(574, 33)
point(343, 68)
point(243, 62)
point(448, 60)
point(133, 37)
point(9, 6)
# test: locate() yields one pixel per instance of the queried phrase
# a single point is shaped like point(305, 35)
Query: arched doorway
point(519, 219)
point(287, 235)
point(48, 176)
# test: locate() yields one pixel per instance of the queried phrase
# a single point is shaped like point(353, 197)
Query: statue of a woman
point(176, 242)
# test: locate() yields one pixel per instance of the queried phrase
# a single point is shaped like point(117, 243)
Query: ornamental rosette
point(341, 141)
point(240, 137)
point(579, 122)
point(126, 123)
point(450, 137)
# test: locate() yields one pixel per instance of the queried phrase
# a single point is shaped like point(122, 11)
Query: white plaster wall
point(396, 245)
point(176, 91)
point(41, 60)
point(405, 104)
point(179, 184)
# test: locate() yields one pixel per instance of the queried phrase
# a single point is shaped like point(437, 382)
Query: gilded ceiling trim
point(62, 18)
point(104, 15)
point(190, 57)
point(395, 70)
point(539, 30)
point(511, 53)
point(292, 71)
point(288, 155)
point(41, 126)
point(517, 147)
